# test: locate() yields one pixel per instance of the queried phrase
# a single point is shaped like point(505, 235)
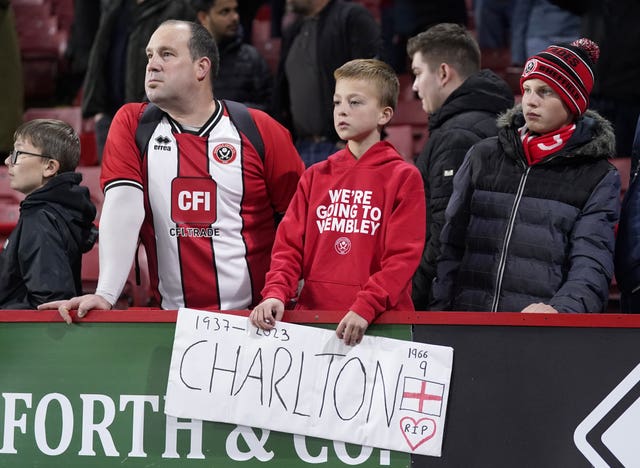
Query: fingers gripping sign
point(265, 314)
point(83, 304)
point(351, 328)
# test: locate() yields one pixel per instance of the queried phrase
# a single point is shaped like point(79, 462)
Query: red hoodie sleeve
point(403, 244)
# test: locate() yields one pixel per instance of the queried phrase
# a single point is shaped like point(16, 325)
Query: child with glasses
point(41, 259)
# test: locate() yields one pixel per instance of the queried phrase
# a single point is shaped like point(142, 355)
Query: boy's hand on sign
point(351, 328)
point(265, 314)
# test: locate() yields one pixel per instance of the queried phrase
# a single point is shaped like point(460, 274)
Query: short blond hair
point(376, 72)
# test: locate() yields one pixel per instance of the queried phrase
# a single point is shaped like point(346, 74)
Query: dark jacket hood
point(71, 201)
point(482, 91)
point(594, 136)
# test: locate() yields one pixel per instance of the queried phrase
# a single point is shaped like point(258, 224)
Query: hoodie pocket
point(327, 295)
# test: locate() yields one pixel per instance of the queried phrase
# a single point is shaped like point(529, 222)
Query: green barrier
point(92, 395)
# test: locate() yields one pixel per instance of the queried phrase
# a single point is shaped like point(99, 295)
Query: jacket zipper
point(507, 240)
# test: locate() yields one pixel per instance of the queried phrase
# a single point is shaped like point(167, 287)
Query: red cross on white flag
point(422, 396)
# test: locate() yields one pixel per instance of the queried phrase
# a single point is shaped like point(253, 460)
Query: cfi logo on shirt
point(224, 153)
point(193, 200)
point(342, 245)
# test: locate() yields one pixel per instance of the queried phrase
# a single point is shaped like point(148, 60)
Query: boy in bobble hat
point(355, 228)
point(530, 224)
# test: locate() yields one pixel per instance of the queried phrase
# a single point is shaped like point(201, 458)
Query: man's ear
point(203, 68)
point(444, 73)
point(51, 167)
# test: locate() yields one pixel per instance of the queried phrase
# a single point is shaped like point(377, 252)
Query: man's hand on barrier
point(83, 304)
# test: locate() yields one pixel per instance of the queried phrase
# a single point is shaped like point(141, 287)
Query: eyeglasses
point(15, 154)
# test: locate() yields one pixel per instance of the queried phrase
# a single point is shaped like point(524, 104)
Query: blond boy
point(355, 229)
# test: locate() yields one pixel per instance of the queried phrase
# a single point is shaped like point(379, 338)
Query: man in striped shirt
point(201, 197)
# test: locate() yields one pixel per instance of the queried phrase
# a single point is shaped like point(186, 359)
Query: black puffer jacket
point(243, 76)
point(518, 234)
point(466, 117)
point(627, 259)
point(42, 257)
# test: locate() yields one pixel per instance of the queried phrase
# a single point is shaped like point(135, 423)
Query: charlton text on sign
point(382, 393)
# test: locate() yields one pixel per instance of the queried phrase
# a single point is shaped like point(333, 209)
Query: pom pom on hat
point(568, 70)
point(590, 47)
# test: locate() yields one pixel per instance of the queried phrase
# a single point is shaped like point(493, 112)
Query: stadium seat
point(64, 10)
point(624, 169)
point(91, 179)
point(512, 76)
point(38, 32)
point(260, 31)
point(401, 137)
point(41, 3)
point(411, 113)
point(89, 150)
point(5, 188)
point(72, 115)
point(133, 295)
point(497, 60)
point(42, 47)
point(613, 306)
point(9, 214)
point(263, 13)
point(406, 85)
point(9, 204)
point(270, 51)
point(269, 47)
point(40, 75)
point(471, 17)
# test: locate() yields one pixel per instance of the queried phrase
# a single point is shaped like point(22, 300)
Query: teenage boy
point(355, 228)
point(41, 259)
point(463, 103)
point(530, 224)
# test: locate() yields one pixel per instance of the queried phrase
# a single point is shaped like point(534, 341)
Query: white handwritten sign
point(384, 393)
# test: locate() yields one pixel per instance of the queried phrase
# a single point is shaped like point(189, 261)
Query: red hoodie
point(354, 231)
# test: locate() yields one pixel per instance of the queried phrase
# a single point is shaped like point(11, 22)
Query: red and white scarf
point(537, 147)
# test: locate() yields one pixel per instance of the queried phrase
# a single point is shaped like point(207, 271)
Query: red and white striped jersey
point(209, 203)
